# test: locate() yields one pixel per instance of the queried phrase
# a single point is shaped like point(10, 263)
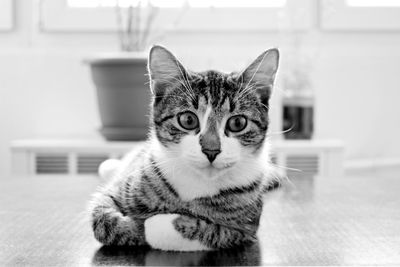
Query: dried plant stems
point(138, 30)
point(153, 12)
point(120, 29)
point(134, 36)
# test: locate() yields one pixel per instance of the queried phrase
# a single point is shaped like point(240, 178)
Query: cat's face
point(211, 121)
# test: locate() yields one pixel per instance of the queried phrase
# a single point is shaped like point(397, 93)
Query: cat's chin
point(205, 165)
point(219, 167)
point(213, 172)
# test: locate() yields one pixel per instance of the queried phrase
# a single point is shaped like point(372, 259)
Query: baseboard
point(371, 164)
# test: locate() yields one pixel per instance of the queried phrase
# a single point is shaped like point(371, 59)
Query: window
point(222, 15)
point(360, 14)
point(373, 3)
point(178, 3)
point(6, 15)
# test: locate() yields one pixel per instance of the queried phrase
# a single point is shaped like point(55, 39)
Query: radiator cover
point(82, 157)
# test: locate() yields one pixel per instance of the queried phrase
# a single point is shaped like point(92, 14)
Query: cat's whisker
point(184, 83)
point(257, 69)
point(265, 106)
point(279, 132)
point(184, 77)
point(168, 78)
point(286, 168)
point(241, 80)
point(171, 95)
point(271, 171)
point(242, 93)
point(184, 92)
point(247, 90)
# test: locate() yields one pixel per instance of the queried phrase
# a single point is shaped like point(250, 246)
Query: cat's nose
point(211, 153)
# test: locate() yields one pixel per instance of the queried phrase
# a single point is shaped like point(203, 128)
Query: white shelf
point(320, 157)
point(73, 145)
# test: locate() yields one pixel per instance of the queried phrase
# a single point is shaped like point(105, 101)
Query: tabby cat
point(197, 184)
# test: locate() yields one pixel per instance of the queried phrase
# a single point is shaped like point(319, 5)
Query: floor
point(322, 221)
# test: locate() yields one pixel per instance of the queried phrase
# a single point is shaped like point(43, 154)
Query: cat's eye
point(236, 123)
point(188, 120)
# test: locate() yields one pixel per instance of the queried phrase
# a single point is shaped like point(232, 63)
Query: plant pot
point(123, 95)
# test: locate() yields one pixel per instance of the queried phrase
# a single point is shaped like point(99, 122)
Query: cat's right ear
point(164, 70)
point(260, 75)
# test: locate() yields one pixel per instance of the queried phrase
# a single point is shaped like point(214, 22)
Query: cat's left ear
point(260, 75)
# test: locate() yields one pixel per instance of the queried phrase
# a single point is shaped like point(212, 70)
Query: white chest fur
point(189, 185)
point(190, 182)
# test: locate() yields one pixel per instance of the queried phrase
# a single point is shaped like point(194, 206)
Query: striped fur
point(216, 203)
point(221, 221)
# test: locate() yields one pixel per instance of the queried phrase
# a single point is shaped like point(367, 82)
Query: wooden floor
point(321, 221)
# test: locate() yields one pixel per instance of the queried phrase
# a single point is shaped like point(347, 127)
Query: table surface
point(320, 221)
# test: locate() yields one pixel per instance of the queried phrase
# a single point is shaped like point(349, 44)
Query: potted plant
point(298, 103)
point(298, 100)
point(120, 78)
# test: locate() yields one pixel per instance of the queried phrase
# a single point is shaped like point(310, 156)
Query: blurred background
point(337, 87)
point(74, 92)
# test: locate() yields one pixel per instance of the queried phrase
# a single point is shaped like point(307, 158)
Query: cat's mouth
point(214, 167)
point(214, 171)
point(227, 165)
point(224, 166)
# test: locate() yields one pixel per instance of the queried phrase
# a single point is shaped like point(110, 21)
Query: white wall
point(45, 90)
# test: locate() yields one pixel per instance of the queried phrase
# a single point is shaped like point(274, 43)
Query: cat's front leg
point(161, 232)
point(186, 233)
point(214, 236)
point(111, 226)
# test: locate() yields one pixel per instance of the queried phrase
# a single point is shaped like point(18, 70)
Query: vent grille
point(302, 165)
point(295, 165)
point(89, 164)
point(78, 157)
point(51, 163)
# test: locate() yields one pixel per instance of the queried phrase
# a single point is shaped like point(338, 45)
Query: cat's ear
point(260, 75)
point(164, 69)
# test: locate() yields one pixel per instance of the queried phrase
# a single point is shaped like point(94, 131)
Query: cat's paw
point(188, 226)
point(160, 233)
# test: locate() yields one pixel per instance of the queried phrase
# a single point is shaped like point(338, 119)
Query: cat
point(197, 183)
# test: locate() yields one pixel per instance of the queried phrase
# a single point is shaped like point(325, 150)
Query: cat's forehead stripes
point(216, 88)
